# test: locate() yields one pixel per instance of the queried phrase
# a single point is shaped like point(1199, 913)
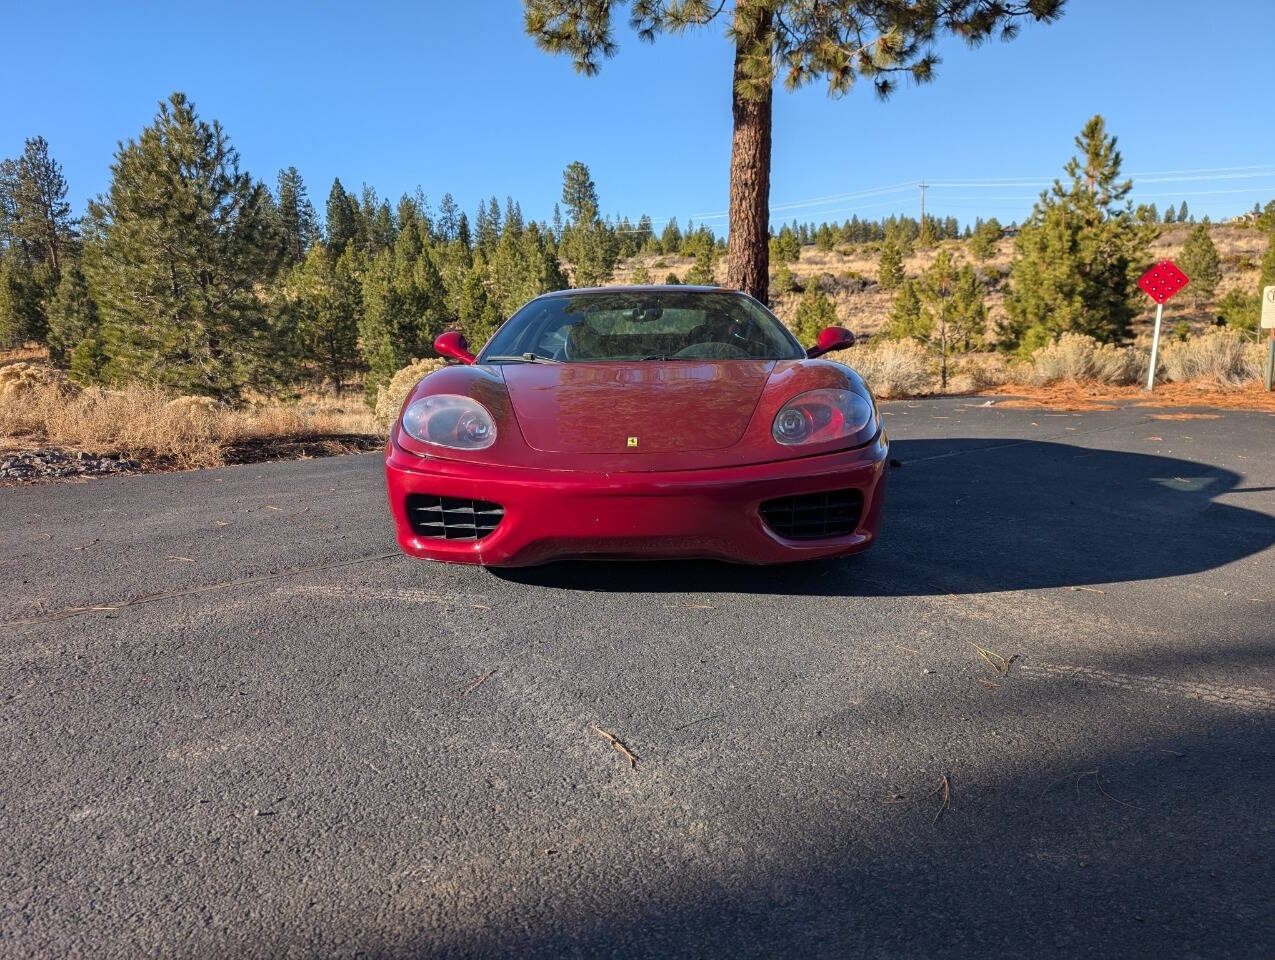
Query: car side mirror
point(831, 338)
point(452, 344)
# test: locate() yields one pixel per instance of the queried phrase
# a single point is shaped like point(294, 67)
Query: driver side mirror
point(452, 344)
point(831, 338)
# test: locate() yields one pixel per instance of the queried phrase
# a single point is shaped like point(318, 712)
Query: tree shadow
point(984, 515)
point(1152, 841)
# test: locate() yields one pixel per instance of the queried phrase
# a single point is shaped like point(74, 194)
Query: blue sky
point(454, 97)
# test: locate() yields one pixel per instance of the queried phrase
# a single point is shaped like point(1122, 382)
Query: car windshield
point(642, 325)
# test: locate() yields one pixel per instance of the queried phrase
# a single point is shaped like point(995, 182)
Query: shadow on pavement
point(1155, 844)
point(978, 515)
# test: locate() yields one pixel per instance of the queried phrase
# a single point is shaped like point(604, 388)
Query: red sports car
point(638, 422)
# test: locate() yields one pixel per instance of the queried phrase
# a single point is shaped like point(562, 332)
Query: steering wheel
point(712, 350)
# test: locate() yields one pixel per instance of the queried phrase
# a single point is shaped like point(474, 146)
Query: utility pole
point(922, 204)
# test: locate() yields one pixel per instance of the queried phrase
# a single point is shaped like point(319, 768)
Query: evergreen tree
point(37, 216)
point(1077, 259)
point(296, 215)
point(449, 217)
point(21, 311)
point(579, 194)
point(905, 313)
point(953, 309)
point(404, 308)
point(1266, 276)
point(824, 238)
point(814, 312)
point(1182, 214)
point(1169, 215)
point(797, 42)
point(785, 247)
point(183, 240)
point(890, 270)
point(72, 315)
point(640, 276)
point(671, 237)
point(341, 218)
point(462, 231)
point(1200, 262)
point(983, 242)
point(783, 281)
point(479, 316)
point(330, 302)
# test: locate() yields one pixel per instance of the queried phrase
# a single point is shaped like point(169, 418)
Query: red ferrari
point(638, 422)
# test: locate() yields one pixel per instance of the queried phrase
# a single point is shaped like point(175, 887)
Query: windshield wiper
point(527, 357)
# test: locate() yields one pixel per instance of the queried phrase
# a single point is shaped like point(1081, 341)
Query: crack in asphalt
point(68, 612)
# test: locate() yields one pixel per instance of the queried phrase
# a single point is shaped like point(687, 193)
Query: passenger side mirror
point(831, 338)
point(452, 344)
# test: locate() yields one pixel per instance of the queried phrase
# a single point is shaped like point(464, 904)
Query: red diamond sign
point(1163, 281)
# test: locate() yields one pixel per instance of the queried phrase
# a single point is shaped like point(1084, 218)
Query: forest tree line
point(189, 273)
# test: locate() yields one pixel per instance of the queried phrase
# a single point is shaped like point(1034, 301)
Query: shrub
point(1220, 356)
point(1075, 356)
point(22, 377)
point(891, 368)
point(389, 398)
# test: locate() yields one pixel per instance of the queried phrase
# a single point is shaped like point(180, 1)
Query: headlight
point(450, 420)
point(821, 415)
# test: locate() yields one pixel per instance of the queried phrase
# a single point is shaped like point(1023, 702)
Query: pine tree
point(671, 237)
point(983, 242)
point(640, 276)
point(296, 214)
point(1077, 259)
point(797, 42)
point(783, 281)
point(890, 270)
point(72, 315)
point(183, 240)
point(953, 309)
point(814, 312)
point(1199, 261)
point(905, 313)
point(785, 247)
point(1267, 275)
point(478, 315)
point(341, 218)
point(38, 217)
point(21, 311)
point(448, 217)
point(404, 308)
point(330, 302)
point(579, 194)
point(1169, 215)
point(1182, 214)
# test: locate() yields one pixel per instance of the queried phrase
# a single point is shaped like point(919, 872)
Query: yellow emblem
point(632, 441)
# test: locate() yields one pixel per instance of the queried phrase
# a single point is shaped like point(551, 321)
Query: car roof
point(638, 288)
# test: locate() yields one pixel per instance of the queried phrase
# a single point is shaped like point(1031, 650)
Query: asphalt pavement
point(1035, 721)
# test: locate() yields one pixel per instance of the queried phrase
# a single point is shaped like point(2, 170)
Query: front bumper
point(711, 513)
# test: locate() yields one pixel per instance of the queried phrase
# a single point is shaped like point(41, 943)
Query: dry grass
point(40, 408)
point(1221, 357)
point(389, 398)
point(1075, 358)
point(892, 368)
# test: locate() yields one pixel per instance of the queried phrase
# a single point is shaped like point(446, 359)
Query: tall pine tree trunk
point(748, 250)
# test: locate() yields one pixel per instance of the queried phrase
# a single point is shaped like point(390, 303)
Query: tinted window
point(642, 325)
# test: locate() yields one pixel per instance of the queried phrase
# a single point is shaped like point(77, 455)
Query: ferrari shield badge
point(633, 441)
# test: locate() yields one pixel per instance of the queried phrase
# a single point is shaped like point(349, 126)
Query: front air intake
point(450, 518)
point(814, 516)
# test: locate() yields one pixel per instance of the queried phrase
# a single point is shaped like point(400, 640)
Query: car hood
point(650, 406)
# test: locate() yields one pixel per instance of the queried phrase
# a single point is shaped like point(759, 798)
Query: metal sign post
point(1160, 283)
point(1268, 323)
point(1155, 347)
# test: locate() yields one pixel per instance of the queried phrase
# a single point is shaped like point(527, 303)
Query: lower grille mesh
point(814, 516)
point(450, 518)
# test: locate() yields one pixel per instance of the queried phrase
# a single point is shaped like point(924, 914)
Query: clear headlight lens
point(450, 420)
point(821, 415)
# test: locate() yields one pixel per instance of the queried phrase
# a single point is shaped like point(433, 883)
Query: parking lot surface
point(1035, 720)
